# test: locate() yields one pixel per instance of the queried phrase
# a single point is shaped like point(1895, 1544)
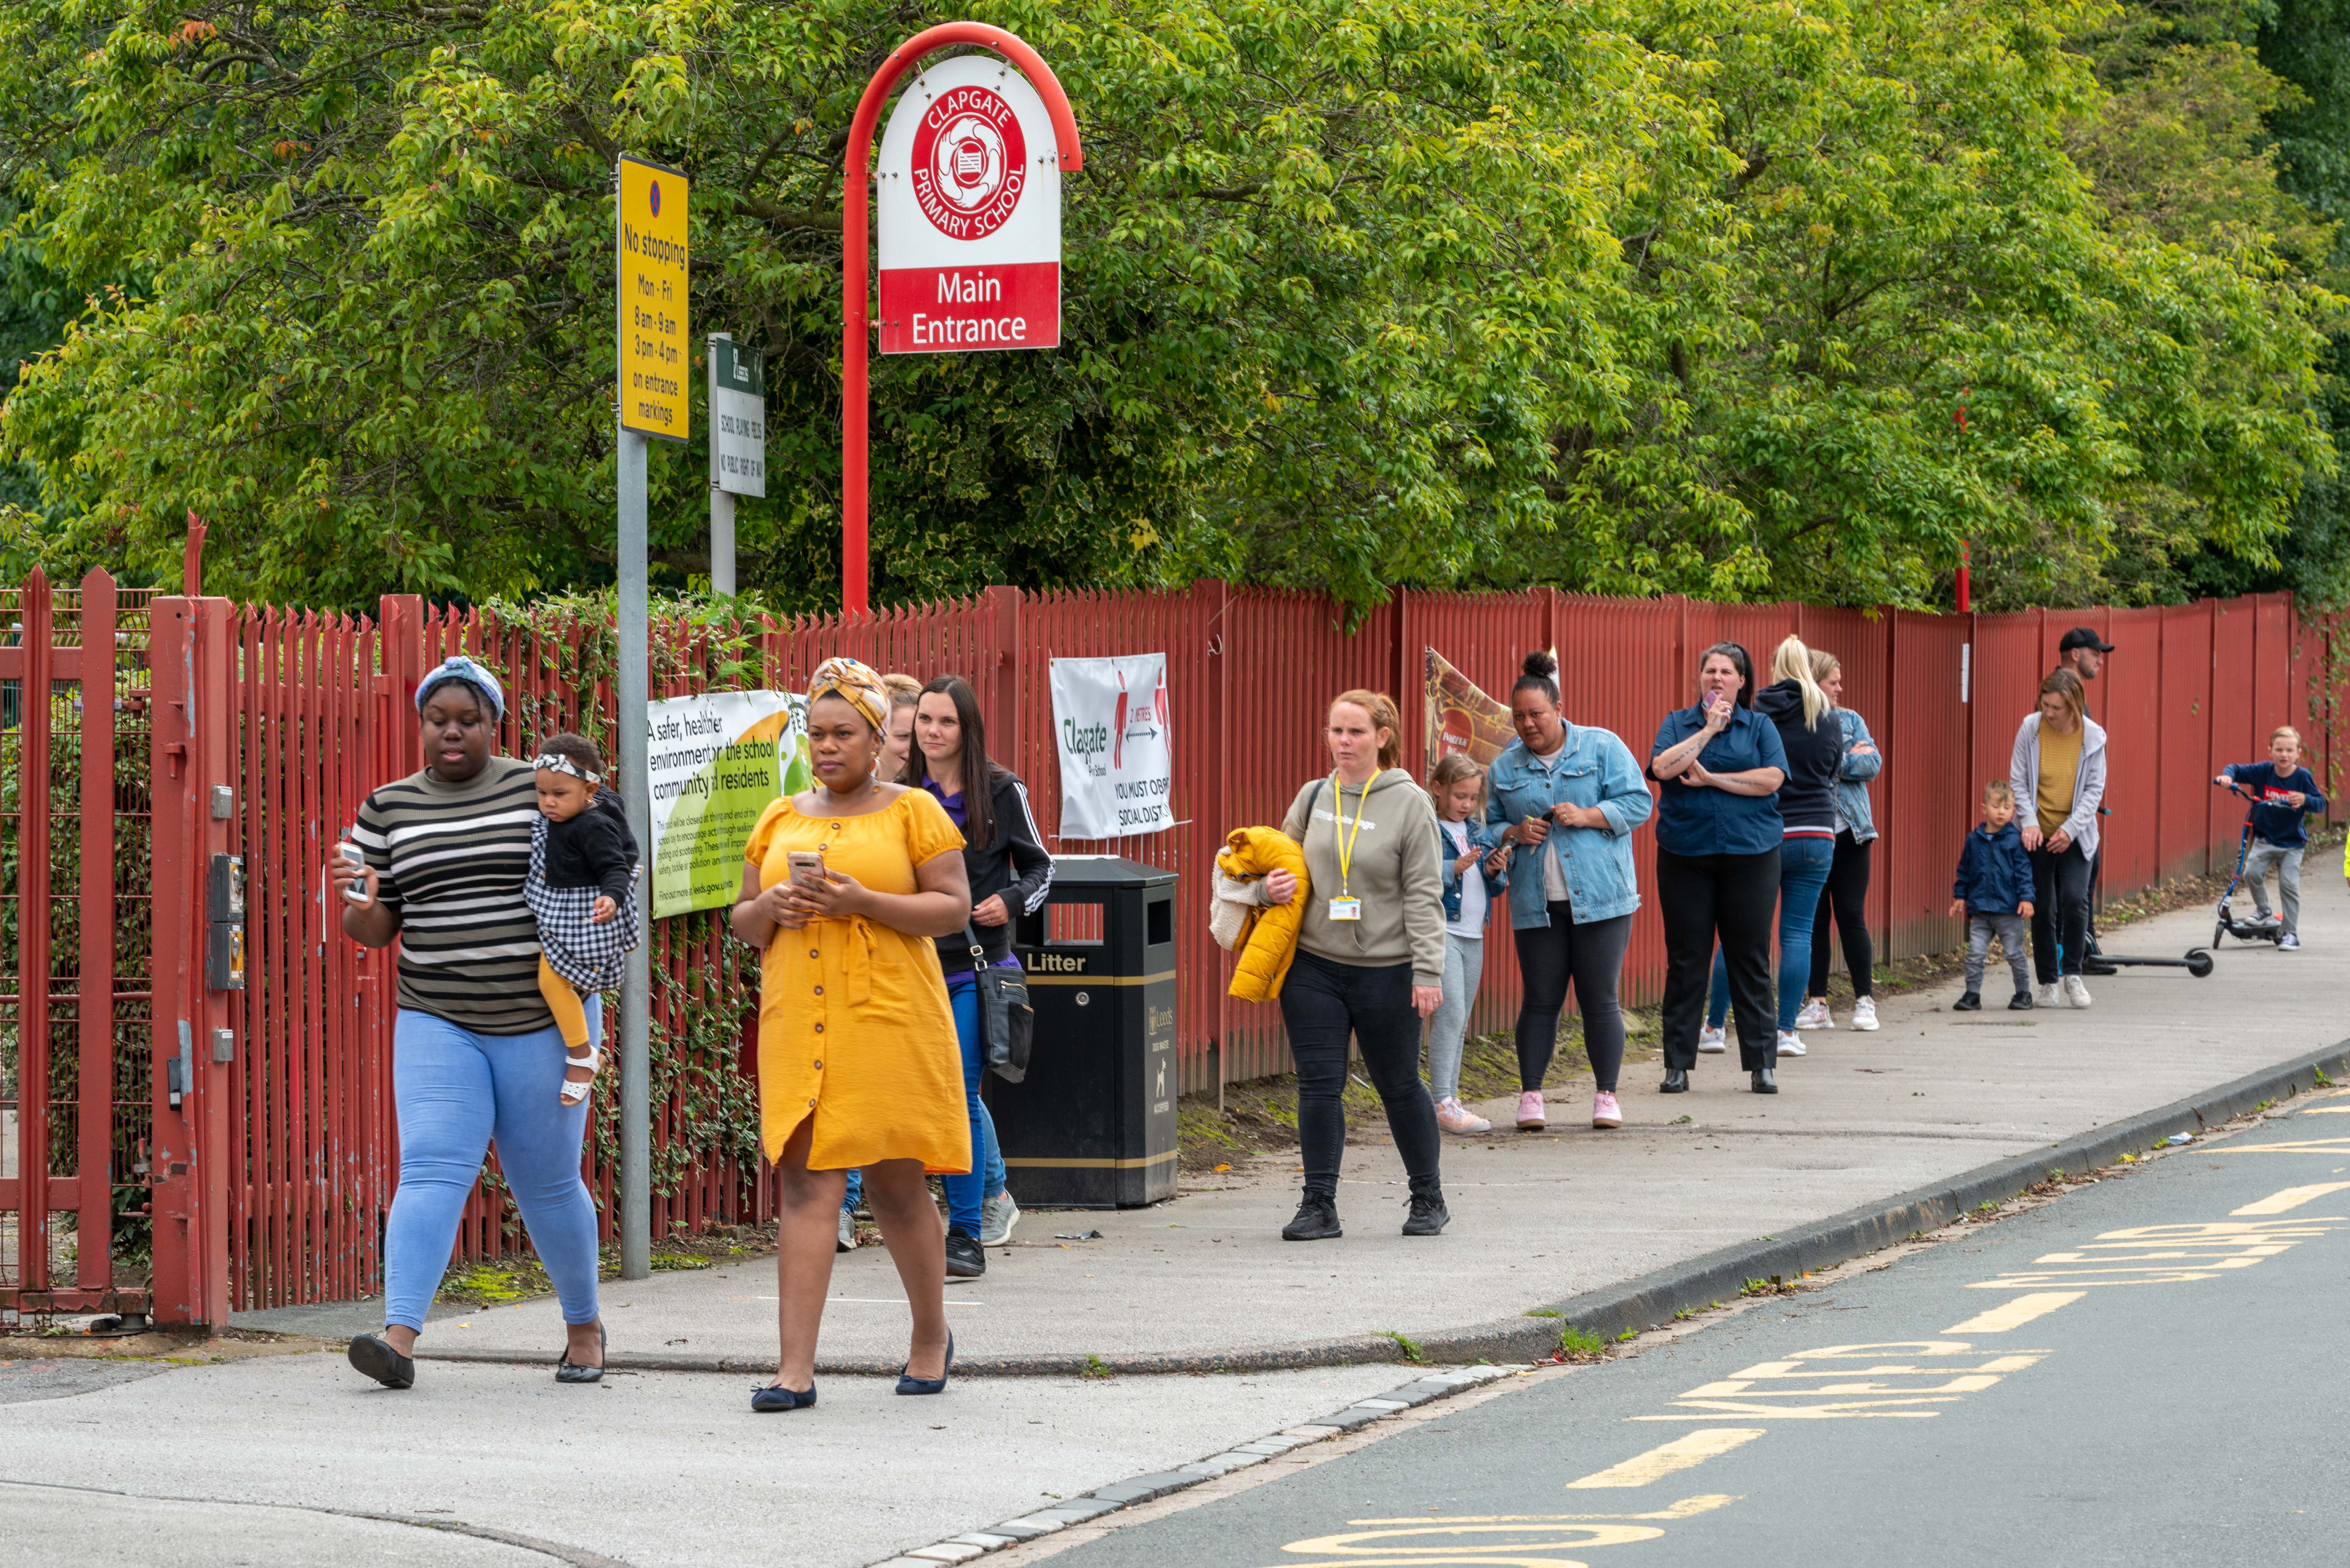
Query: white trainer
point(1711, 1039)
point(1864, 1014)
point(847, 1241)
point(1815, 1016)
point(2048, 998)
point(2074, 991)
point(1790, 1044)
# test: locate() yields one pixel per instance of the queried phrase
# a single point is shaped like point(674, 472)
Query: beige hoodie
point(1396, 869)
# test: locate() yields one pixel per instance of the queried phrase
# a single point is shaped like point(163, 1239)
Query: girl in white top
point(1456, 785)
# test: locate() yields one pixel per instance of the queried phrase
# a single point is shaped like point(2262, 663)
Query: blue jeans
point(1804, 866)
point(457, 1092)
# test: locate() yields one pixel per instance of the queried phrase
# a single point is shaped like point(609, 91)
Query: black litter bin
point(1093, 1124)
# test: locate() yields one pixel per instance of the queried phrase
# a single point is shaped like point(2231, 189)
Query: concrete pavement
point(1537, 1219)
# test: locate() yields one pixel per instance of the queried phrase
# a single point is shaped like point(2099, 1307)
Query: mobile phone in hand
point(807, 867)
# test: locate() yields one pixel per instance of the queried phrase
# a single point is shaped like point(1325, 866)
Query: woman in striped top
point(476, 1057)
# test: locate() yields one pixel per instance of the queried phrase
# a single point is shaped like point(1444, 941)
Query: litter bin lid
point(1106, 871)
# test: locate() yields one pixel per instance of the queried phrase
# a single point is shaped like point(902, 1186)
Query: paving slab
point(1537, 1219)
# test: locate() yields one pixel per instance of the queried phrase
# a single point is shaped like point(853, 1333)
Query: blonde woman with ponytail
point(1846, 899)
point(1370, 956)
point(1813, 738)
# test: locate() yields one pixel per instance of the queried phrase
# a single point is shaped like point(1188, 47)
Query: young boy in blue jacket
point(2281, 791)
point(1993, 890)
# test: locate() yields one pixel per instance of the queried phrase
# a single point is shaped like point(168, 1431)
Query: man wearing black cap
point(2083, 651)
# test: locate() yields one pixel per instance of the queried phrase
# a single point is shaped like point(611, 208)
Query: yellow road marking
point(2017, 1313)
point(2306, 1146)
point(1688, 1508)
point(2325, 1111)
point(1680, 1454)
point(2291, 1198)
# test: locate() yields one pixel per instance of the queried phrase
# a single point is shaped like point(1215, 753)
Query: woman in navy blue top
point(1717, 834)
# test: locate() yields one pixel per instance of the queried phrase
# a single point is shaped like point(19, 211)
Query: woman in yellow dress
point(858, 1060)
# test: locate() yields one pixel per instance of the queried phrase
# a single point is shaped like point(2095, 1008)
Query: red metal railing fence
point(274, 1152)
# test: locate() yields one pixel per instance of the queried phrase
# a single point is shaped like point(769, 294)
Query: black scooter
point(2255, 927)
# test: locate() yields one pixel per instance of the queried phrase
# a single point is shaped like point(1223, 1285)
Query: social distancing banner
point(716, 761)
point(1118, 755)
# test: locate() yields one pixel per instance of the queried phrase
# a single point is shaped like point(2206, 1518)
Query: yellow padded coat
point(1270, 939)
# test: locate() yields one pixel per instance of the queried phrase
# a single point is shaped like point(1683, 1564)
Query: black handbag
point(1007, 1024)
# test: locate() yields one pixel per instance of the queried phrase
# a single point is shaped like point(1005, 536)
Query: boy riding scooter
point(2282, 792)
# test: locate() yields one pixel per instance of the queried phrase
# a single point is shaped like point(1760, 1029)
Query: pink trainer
point(1604, 1111)
point(1529, 1111)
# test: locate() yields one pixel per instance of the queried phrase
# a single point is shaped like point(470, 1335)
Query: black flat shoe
point(1970, 1002)
point(921, 1385)
point(1429, 1215)
point(568, 1371)
point(2021, 1003)
point(373, 1355)
point(768, 1398)
point(1676, 1082)
point(1764, 1083)
point(1316, 1221)
point(966, 1259)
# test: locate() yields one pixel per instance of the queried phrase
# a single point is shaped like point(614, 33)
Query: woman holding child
point(1571, 797)
point(477, 1057)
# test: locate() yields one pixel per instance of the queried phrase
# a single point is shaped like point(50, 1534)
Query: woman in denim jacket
point(1570, 796)
point(1845, 898)
point(1457, 784)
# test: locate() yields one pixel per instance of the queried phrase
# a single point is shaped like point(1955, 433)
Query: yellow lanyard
point(1338, 829)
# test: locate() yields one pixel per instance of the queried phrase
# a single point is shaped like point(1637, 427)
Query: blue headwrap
point(467, 672)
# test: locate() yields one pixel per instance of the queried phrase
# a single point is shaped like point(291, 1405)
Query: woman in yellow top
point(858, 1060)
point(2058, 774)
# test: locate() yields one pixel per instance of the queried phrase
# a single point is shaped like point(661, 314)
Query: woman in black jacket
point(1813, 738)
point(1009, 872)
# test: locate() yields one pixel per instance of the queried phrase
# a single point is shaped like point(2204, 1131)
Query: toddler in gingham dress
point(582, 888)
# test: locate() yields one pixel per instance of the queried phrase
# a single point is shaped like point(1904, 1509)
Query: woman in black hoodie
point(1814, 740)
point(1009, 872)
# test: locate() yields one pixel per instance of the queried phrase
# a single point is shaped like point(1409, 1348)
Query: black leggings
point(1845, 898)
point(1734, 896)
point(1322, 1003)
point(1592, 956)
point(2060, 911)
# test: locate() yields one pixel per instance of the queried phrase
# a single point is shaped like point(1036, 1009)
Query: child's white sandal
point(572, 1093)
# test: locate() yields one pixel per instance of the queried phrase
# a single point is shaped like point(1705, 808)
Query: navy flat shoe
point(769, 1398)
point(373, 1355)
point(927, 1385)
point(568, 1371)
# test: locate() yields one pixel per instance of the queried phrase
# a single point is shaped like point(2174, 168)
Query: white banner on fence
point(1118, 754)
point(716, 761)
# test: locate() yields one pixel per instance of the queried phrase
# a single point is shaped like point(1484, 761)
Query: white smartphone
point(807, 867)
point(356, 858)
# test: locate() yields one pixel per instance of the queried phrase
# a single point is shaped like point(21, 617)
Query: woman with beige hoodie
point(1370, 957)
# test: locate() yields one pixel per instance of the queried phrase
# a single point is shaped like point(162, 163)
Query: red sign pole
point(856, 290)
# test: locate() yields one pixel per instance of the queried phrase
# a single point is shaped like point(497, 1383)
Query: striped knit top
point(450, 860)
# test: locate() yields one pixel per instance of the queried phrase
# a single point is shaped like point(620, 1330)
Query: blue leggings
point(1804, 866)
point(964, 1193)
point(457, 1092)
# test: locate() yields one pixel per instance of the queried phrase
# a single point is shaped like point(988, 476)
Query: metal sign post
point(738, 445)
point(986, 179)
point(650, 243)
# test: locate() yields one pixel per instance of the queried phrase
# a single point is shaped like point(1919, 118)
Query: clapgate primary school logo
point(968, 163)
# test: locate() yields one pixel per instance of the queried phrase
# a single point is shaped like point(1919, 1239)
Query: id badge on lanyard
point(1345, 906)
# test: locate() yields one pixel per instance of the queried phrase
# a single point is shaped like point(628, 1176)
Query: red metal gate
point(77, 928)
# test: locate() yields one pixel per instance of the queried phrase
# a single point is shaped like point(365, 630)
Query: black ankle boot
point(1317, 1219)
point(1676, 1082)
point(1765, 1081)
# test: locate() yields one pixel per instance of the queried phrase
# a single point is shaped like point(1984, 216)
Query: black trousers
point(1324, 1002)
point(2060, 911)
point(1592, 957)
point(1846, 899)
point(1734, 897)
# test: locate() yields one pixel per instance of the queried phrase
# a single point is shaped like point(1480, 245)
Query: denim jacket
point(1482, 839)
point(1852, 777)
point(1595, 768)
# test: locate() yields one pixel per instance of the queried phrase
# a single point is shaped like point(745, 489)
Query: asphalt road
point(2147, 1370)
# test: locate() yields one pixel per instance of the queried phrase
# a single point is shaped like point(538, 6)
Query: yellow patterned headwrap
point(858, 685)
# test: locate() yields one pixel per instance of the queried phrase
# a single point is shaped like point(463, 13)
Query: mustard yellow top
point(854, 1029)
point(2060, 766)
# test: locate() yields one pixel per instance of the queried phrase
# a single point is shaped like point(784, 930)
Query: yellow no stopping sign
point(651, 235)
